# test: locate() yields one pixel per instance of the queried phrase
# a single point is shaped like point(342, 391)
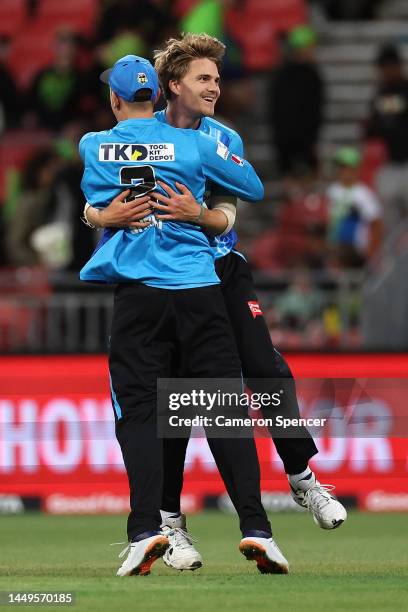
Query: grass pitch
point(363, 565)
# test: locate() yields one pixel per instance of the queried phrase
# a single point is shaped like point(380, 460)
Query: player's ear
point(114, 100)
point(158, 96)
point(174, 87)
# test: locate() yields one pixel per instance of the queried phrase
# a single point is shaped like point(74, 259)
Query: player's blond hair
point(173, 60)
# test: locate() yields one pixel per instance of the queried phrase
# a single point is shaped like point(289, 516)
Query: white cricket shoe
point(142, 555)
point(269, 559)
point(326, 510)
point(181, 554)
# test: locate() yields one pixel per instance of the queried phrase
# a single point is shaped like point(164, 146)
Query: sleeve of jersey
point(83, 144)
point(235, 146)
point(88, 192)
point(228, 169)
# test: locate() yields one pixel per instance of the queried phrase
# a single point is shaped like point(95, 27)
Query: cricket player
point(167, 299)
point(188, 70)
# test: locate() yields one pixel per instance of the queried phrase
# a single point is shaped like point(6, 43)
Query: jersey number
point(141, 178)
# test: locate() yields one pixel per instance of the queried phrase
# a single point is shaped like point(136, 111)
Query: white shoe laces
point(125, 550)
point(182, 539)
point(318, 496)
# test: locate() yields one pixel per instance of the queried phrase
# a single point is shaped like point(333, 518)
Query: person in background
point(296, 104)
point(388, 120)
point(301, 303)
point(32, 208)
point(55, 93)
point(354, 214)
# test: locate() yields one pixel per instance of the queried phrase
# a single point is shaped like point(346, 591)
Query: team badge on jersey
point(255, 309)
point(222, 151)
point(124, 152)
point(142, 78)
point(237, 159)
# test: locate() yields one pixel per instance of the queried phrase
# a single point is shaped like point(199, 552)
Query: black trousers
point(260, 360)
point(150, 326)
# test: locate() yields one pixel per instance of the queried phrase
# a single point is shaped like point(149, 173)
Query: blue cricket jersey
point(231, 139)
point(135, 154)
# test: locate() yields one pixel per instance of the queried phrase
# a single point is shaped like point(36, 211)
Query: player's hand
point(126, 214)
point(177, 206)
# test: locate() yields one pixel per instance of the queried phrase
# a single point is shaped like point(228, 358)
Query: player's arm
point(177, 206)
point(218, 219)
point(119, 213)
point(182, 206)
point(228, 170)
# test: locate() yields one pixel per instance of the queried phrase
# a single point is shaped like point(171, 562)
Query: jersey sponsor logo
point(123, 152)
point(142, 78)
point(255, 309)
point(236, 159)
point(222, 151)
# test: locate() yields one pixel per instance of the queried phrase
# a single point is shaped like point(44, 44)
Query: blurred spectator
point(299, 238)
point(297, 318)
point(151, 20)
point(296, 104)
point(9, 101)
point(32, 208)
point(301, 303)
point(45, 226)
point(388, 120)
point(355, 225)
point(55, 92)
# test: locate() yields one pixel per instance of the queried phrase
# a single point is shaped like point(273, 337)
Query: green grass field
point(363, 565)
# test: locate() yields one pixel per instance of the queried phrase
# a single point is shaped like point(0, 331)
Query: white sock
point(166, 515)
point(295, 478)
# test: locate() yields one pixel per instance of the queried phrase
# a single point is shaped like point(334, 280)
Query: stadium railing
point(63, 315)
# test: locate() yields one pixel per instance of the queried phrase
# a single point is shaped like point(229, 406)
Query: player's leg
point(181, 554)
point(261, 363)
point(208, 350)
point(174, 455)
point(139, 354)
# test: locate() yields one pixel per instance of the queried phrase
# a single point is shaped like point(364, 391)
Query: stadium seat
point(79, 15)
point(257, 38)
point(53, 7)
point(12, 16)
point(305, 212)
point(274, 251)
point(284, 14)
point(30, 51)
point(183, 6)
point(257, 26)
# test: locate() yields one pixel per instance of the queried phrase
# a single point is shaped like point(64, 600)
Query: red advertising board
point(57, 438)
